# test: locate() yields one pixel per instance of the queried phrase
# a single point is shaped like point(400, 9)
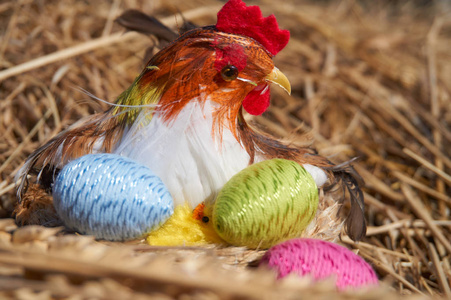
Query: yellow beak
point(277, 77)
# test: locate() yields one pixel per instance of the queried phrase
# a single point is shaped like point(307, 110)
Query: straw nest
point(369, 80)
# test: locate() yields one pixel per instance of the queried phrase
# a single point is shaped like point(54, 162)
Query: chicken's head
point(229, 64)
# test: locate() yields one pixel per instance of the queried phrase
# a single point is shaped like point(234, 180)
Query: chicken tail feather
point(351, 181)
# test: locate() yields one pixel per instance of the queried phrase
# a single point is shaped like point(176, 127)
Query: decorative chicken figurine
point(183, 116)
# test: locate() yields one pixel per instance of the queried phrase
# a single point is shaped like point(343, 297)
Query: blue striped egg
point(111, 197)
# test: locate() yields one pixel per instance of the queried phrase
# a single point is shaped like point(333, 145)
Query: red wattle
point(257, 101)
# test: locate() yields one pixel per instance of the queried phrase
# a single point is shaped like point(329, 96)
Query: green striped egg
point(264, 204)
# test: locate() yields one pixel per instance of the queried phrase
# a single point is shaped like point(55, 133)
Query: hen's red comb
point(235, 17)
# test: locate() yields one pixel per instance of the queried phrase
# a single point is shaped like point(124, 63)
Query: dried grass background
point(370, 80)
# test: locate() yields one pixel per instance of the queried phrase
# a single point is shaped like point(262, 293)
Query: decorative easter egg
point(320, 260)
point(111, 197)
point(268, 202)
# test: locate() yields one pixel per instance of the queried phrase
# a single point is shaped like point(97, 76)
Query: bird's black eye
point(205, 219)
point(229, 73)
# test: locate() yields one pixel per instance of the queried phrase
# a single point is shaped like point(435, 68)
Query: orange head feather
point(194, 68)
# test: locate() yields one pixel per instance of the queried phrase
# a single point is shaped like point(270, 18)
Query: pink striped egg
point(320, 260)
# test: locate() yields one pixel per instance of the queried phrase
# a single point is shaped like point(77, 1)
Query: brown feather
point(36, 208)
point(138, 21)
point(352, 181)
point(269, 147)
point(76, 141)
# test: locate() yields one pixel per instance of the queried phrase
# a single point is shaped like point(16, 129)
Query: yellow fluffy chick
point(182, 229)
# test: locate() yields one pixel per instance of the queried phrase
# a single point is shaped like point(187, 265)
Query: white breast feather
point(192, 164)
